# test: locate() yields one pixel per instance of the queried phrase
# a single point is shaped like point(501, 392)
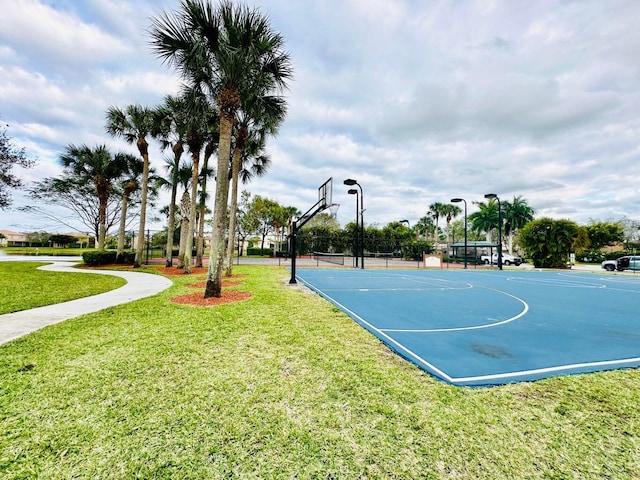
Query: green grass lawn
point(24, 287)
point(283, 385)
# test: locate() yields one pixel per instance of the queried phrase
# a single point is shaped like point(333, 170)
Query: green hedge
point(99, 257)
point(261, 252)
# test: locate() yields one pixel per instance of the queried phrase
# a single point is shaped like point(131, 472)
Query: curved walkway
point(139, 285)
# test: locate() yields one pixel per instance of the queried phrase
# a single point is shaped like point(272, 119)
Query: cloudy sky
point(419, 100)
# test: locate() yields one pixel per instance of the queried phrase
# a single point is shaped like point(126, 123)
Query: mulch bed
point(178, 271)
point(204, 284)
point(198, 300)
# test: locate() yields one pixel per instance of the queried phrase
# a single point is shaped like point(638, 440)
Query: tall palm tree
point(130, 183)
point(135, 124)
point(485, 219)
point(450, 211)
point(99, 167)
point(230, 52)
point(171, 123)
point(205, 173)
point(517, 214)
point(436, 210)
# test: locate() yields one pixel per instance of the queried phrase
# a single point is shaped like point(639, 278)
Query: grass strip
point(284, 385)
point(24, 287)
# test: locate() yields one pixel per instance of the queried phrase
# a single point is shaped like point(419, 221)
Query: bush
point(261, 252)
point(99, 257)
point(413, 250)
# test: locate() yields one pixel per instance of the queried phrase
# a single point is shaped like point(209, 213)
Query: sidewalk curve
point(139, 285)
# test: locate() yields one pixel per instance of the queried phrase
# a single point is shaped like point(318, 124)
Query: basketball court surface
point(480, 328)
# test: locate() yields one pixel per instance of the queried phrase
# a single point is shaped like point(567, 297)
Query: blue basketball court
point(479, 328)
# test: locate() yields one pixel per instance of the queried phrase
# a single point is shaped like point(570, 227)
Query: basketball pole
point(295, 227)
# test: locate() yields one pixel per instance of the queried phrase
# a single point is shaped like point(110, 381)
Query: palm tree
point(516, 214)
point(100, 168)
point(450, 211)
point(205, 173)
point(436, 210)
point(424, 225)
point(134, 124)
point(171, 122)
point(131, 182)
point(230, 52)
point(249, 148)
point(485, 219)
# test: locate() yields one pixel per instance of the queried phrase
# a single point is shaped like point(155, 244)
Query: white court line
point(475, 327)
point(417, 358)
point(537, 371)
point(478, 378)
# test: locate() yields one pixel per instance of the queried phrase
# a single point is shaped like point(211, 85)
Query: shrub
point(262, 252)
point(99, 257)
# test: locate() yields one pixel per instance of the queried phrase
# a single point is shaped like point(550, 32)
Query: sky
point(420, 101)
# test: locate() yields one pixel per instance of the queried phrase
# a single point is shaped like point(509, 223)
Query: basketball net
point(333, 209)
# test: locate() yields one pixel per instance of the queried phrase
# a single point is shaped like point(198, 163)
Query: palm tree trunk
point(200, 243)
point(184, 227)
point(171, 224)
point(143, 211)
point(216, 255)
point(235, 174)
point(192, 212)
point(123, 223)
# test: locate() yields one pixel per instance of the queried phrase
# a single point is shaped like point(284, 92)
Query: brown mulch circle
point(180, 271)
point(198, 300)
point(204, 284)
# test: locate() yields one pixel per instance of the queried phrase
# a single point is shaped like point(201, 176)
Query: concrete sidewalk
point(139, 285)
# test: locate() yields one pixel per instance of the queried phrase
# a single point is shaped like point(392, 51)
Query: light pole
point(458, 200)
point(351, 182)
point(490, 196)
point(353, 191)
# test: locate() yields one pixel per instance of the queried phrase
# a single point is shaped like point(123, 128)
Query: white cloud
point(420, 101)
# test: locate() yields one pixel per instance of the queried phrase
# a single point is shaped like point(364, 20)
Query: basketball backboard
point(325, 193)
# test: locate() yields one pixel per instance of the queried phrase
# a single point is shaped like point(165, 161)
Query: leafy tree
point(135, 124)
point(549, 242)
point(9, 158)
point(247, 221)
point(602, 234)
point(77, 196)
point(232, 53)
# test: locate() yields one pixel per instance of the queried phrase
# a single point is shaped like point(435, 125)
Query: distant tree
point(247, 223)
point(437, 211)
point(10, 157)
point(549, 242)
point(38, 238)
point(485, 219)
point(99, 167)
point(135, 124)
point(516, 213)
point(61, 239)
point(603, 234)
point(79, 198)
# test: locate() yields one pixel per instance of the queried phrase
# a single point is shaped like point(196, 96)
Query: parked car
point(629, 262)
point(507, 259)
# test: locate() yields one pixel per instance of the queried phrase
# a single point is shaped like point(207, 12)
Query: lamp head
point(352, 191)
point(491, 195)
point(457, 200)
point(350, 181)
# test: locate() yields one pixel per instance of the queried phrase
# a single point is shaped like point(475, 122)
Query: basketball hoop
point(333, 209)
